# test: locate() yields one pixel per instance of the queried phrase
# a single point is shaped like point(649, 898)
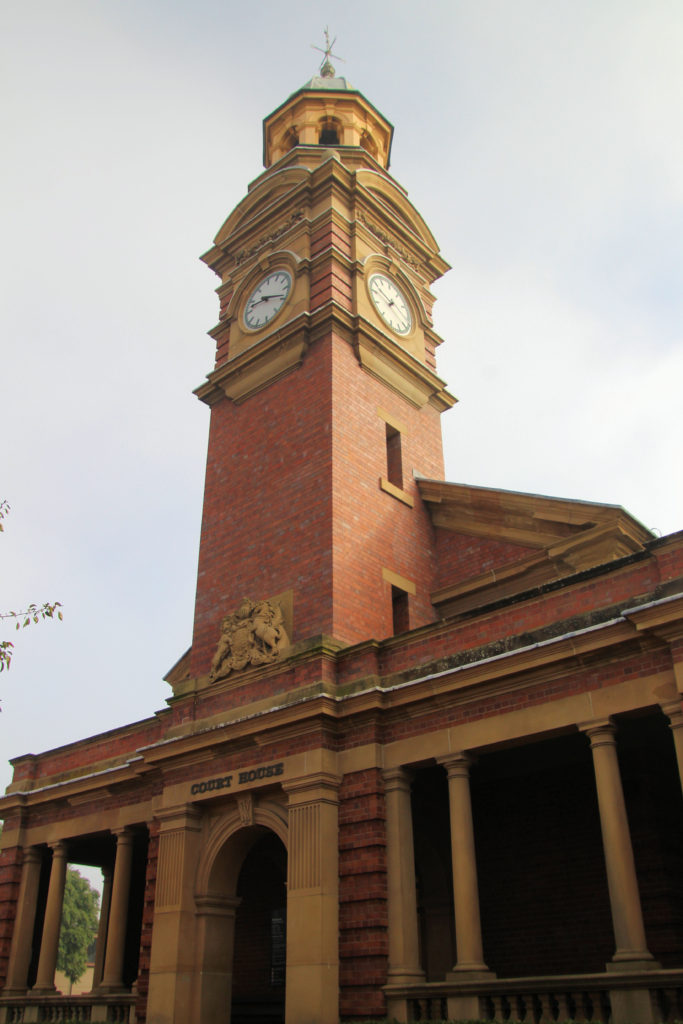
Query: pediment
point(262, 195)
point(398, 206)
point(555, 537)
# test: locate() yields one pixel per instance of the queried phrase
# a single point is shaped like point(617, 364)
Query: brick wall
point(147, 924)
point(314, 445)
point(11, 860)
point(363, 923)
point(459, 557)
point(373, 529)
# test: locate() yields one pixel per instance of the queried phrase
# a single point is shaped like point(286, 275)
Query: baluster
point(487, 1010)
point(677, 1004)
point(545, 1008)
point(517, 1009)
point(662, 1004)
point(606, 1006)
point(564, 1008)
point(674, 1003)
point(423, 1007)
point(533, 1008)
point(498, 1008)
point(437, 1009)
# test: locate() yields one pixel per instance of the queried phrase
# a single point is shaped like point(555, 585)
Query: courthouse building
point(423, 757)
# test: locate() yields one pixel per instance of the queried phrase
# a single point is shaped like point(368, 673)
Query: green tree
point(79, 925)
point(34, 612)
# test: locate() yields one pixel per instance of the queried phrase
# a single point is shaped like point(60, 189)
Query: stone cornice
point(284, 349)
point(663, 618)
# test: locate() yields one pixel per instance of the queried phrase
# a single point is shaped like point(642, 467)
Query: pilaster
point(312, 992)
point(173, 956)
point(216, 940)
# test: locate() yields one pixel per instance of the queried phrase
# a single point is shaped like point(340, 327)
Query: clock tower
point(324, 399)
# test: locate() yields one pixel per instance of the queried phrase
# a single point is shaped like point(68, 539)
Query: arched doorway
point(241, 916)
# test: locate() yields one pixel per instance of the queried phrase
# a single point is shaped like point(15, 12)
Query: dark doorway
point(260, 935)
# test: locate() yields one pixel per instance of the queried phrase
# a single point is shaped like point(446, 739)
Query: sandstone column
point(102, 929)
point(312, 990)
point(470, 955)
point(674, 713)
point(20, 953)
point(404, 957)
point(627, 917)
point(632, 954)
point(112, 978)
point(45, 981)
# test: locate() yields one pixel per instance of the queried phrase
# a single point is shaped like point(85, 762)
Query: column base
point(44, 990)
point(470, 972)
point(409, 976)
point(634, 962)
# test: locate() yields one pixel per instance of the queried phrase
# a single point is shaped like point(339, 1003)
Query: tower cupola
point(327, 111)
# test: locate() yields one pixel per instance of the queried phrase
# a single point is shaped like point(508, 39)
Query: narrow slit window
point(399, 610)
point(394, 461)
point(278, 946)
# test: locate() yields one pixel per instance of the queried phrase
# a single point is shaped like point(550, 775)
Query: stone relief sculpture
point(253, 635)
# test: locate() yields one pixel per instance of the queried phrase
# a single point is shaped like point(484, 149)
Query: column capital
point(600, 732)
point(319, 786)
point(397, 778)
point(124, 836)
point(179, 816)
point(457, 764)
point(31, 855)
point(60, 848)
point(674, 712)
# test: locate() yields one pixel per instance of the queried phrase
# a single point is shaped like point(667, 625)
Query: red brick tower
point(324, 400)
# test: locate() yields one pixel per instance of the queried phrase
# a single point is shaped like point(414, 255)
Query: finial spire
point(326, 68)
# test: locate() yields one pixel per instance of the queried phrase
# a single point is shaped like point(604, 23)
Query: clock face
point(390, 303)
point(267, 299)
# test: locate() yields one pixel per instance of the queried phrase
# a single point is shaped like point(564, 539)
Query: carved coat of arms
point(253, 635)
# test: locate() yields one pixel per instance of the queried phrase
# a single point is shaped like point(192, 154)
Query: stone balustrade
point(35, 1009)
point(584, 998)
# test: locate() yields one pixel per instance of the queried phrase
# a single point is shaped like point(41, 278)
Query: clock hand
point(386, 297)
point(265, 298)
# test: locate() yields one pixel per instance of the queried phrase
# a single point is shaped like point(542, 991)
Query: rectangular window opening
point(394, 461)
point(399, 610)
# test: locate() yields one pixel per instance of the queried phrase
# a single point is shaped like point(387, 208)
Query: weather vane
point(326, 69)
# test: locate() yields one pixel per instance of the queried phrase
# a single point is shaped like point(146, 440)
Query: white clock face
point(390, 303)
point(267, 299)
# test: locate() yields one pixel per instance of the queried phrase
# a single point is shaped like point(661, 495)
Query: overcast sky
point(542, 142)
